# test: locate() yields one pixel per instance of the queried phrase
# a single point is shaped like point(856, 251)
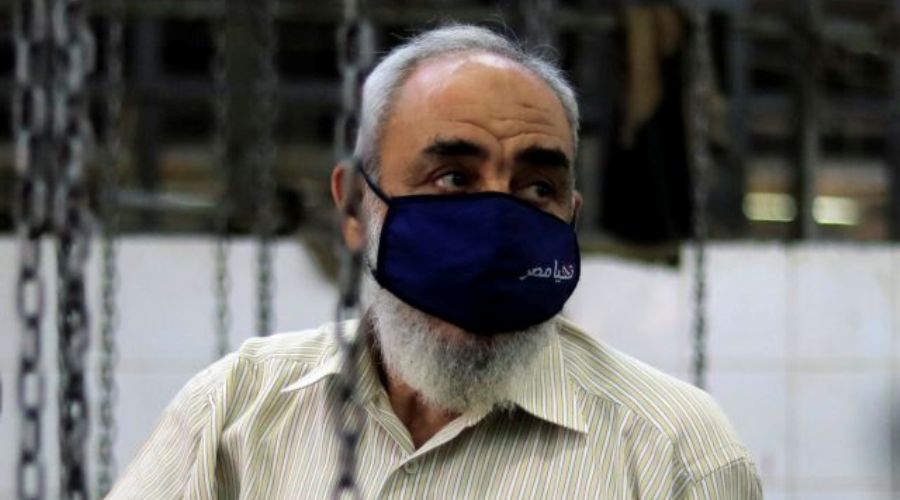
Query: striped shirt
point(591, 423)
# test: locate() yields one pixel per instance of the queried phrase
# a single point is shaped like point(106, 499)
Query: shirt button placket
point(411, 467)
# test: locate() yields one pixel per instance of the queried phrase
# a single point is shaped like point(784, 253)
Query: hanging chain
point(74, 52)
point(354, 54)
point(222, 161)
point(349, 417)
point(701, 89)
point(32, 140)
point(109, 283)
point(265, 155)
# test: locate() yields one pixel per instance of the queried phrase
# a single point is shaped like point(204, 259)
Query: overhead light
point(770, 207)
point(836, 211)
point(778, 207)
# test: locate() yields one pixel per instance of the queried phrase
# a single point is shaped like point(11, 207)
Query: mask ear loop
point(374, 187)
point(358, 165)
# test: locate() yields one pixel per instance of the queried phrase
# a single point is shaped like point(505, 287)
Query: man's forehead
point(463, 86)
point(459, 73)
point(449, 63)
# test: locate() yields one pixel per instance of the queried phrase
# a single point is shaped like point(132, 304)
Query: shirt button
point(411, 467)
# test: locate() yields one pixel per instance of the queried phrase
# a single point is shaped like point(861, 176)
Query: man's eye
point(540, 191)
point(452, 180)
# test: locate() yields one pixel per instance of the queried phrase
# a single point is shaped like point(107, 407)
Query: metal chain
point(32, 159)
point(355, 51)
point(701, 89)
point(109, 317)
point(222, 159)
point(74, 59)
point(222, 291)
point(348, 414)
point(265, 154)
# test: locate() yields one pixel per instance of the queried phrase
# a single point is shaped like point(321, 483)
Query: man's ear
point(577, 202)
point(352, 228)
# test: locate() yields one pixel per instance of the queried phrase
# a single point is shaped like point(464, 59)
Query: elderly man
point(472, 386)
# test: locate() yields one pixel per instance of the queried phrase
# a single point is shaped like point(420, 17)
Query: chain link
point(265, 155)
point(109, 317)
point(348, 414)
point(222, 159)
point(701, 89)
point(355, 51)
point(33, 161)
point(73, 61)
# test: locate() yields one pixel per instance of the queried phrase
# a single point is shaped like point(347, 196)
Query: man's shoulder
point(269, 363)
point(688, 417)
point(304, 346)
point(276, 361)
point(607, 372)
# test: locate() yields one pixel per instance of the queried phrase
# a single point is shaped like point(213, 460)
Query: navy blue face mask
point(486, 262)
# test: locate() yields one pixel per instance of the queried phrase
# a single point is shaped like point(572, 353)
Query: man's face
point(471, 123)
point(466, 124)
point(479, 122)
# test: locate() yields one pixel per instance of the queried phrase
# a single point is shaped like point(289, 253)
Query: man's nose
point(496, 184)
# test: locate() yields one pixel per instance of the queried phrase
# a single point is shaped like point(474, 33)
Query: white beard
point(476, 373)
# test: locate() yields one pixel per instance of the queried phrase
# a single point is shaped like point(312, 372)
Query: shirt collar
point(330, 364)
point(549, 395)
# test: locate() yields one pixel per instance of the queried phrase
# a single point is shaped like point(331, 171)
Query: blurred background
point(739, 160)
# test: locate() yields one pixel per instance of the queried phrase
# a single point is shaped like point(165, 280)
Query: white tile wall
point(8, 426)
point(895, 311)
point(312, 305)
point(8, 273)
point(142, 398)
point(747, 305)
point(845, 494)
point(842, 425)
point(634, 308)
point(844, 298)
point(166, 300)
point(774, 493)
point(242, 297)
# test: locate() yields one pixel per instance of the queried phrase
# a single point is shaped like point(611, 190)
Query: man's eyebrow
point(455, 148)
point(543, 157)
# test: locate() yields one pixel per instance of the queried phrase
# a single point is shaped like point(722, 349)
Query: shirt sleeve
point(179, 458)
point(736, 480)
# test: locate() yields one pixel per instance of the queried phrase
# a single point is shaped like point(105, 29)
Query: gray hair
point(391, 73)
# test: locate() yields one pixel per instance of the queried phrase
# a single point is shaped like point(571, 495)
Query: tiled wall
point(803, 344)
